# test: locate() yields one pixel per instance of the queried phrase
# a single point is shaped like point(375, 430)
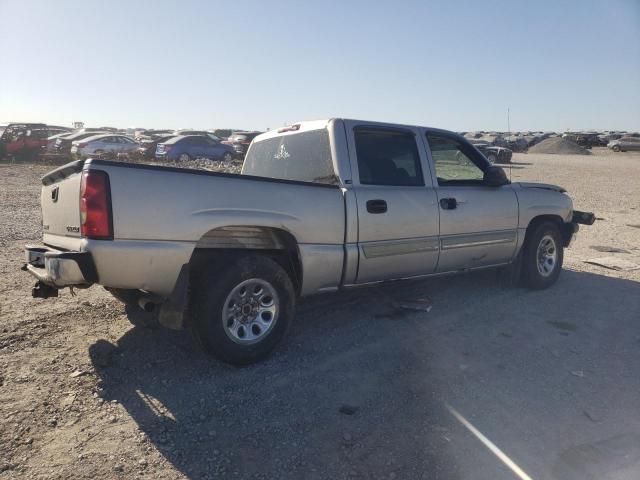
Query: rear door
point(396, 202)
point(478, 223)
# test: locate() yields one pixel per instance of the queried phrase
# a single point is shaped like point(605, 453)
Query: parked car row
point(172, 145)
point(521, 141)
point(28, 140)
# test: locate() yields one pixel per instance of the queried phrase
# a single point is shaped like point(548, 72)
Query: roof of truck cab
point(319, 124)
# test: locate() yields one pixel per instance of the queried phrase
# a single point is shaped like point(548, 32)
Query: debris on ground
point(559, 145)
point(419, 304)
point(78, 373)
point(604, 248)
point(577, 373)
point(348, 409)
point(614, 263)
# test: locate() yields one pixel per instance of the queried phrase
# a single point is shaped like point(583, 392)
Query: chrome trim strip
point(400, 247)
point(478, 239)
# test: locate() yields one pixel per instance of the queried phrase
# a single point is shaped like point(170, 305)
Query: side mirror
point(495, 177)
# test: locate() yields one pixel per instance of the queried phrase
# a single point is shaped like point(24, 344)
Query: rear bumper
point(59, 269)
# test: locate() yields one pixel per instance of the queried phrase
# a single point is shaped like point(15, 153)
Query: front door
point(397, 207)
point(478, 223)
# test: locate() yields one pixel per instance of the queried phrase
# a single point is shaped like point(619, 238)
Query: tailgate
point(60, 200)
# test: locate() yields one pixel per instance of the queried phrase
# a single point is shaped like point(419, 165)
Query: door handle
point(376, 206)
point(448, 203)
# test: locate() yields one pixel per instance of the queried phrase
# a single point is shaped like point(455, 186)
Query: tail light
point(95, 205)
point(167, 148)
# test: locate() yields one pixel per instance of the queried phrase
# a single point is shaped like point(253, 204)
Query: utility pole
point(508, 121)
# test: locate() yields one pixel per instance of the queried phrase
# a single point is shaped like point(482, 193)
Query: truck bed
point(160, 214)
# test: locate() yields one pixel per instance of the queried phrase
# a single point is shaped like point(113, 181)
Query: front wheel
point(542, 256)
point(616, 148)
point(184, 157)
point(242, 311)
point(227, 157)
point(492, 158)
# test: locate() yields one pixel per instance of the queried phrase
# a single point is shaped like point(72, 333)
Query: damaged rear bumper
point(57, 269)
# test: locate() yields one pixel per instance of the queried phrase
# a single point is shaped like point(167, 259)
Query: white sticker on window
point(282, 153)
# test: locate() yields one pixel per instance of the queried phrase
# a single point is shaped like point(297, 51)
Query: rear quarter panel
point(172, 209)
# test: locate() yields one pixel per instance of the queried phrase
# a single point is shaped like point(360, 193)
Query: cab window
point(456, 162)
point(387, 157)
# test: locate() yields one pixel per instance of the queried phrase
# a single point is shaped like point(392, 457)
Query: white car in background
point(98, 145)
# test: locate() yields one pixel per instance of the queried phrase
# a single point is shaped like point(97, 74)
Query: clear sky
point(257, 64)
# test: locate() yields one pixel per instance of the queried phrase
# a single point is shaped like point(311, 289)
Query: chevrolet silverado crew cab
point(319, 206)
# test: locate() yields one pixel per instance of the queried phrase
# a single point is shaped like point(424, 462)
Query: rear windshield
point(304, 156)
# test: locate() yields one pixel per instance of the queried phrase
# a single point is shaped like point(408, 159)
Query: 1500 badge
point(72, 229)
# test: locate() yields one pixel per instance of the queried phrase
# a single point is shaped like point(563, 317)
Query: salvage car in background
point(625, 144)
point(63, 142)
point(240, 142)
point(147, 145)
point(188, 147)
point(103, 144)
point(584, 139)
point(22, 141)
point(492, 153)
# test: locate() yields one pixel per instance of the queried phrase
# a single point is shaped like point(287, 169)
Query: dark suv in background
point(240, 142)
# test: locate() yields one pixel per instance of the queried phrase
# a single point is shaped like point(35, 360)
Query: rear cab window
point(304, 156)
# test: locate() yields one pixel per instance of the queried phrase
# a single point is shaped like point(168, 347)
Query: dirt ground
point(359, 389)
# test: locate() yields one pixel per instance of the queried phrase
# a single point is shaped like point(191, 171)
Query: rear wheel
point(227, 157)
point(184, 157)
point(616, 148)
point(542, 256)
point(492, 158)
point(242, 311)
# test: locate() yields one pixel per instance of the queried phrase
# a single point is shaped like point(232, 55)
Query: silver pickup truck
point(319, 206)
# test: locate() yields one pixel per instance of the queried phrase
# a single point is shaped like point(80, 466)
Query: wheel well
point(566, 229)
point(221, 245)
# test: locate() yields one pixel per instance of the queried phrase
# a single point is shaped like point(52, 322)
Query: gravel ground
point(360, 389)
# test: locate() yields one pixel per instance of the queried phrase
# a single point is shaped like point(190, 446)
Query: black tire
point(492, 158)
point(544, 235)
point(184, 157)
point(210, 294)
point(616, 148)
point(227, 157)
